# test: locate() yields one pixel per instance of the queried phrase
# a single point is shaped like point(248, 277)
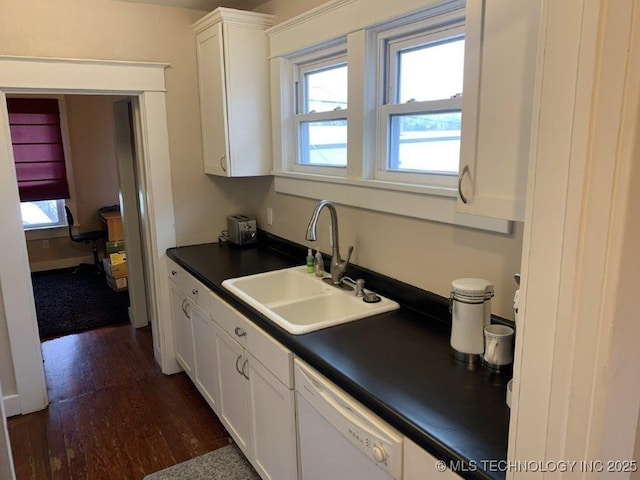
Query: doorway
point(73, 290)
point(145, 82)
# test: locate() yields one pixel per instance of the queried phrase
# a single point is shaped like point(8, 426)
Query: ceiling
point(205, 5)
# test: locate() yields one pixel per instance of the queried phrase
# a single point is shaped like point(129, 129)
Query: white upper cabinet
point(233, 75)
point(501, 55)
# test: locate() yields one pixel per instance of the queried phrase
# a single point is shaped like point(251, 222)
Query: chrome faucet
point(338, 267)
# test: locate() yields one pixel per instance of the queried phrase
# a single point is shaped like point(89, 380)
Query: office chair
point(86, 237)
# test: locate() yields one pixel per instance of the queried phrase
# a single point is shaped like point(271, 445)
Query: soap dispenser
point(310, 265)
point(319, 265)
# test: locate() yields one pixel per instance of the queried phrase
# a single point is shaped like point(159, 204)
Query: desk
point(112, 222)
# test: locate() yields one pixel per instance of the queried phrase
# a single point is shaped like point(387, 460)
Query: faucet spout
point(338, 266)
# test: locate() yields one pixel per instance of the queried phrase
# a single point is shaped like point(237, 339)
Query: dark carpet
point(69, 303)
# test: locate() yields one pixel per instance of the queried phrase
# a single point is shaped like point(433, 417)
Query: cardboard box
point(116, 271)
point(119, 284)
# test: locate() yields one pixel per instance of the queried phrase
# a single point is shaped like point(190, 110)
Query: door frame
point(145, 81)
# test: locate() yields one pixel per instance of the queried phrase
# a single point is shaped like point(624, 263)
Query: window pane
point(324, 143)
point(427, 142)
point(44, 212)
point(326, 89)
point(431, 72)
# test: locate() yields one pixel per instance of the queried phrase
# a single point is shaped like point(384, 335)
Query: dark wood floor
point(112, 413)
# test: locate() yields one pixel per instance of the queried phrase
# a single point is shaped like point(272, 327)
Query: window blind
point(37, 149)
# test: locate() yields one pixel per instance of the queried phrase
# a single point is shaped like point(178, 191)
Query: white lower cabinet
point(256, 393)
point(234, 401)
point(206, 362)
point(182, 329)
point(421, 465)
point(273, 423)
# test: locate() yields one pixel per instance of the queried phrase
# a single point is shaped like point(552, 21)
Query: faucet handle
point(349, 252)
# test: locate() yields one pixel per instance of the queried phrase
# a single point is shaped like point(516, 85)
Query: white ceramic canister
point(470, 305)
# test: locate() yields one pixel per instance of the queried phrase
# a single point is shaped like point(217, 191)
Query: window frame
point(62, 216)
point(390, 43)
point(333, 55)
point(335, 24)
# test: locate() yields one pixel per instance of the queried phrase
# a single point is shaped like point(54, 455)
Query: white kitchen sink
point(300, 302)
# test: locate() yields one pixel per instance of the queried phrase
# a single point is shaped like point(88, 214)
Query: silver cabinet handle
point(460, 177)
point(244, 366)
point(187, 310)
point(194, 291)
point(173, 272)
point(184, 309)
point(222, 163)
point(240, 332)
point(237, 367)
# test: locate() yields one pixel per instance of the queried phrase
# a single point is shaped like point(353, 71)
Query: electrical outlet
point(269, 216)
point(45, 244)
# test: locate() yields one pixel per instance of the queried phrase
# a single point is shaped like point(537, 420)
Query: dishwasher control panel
point(371, 435)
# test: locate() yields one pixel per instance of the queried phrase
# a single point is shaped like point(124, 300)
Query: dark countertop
point(397, 364)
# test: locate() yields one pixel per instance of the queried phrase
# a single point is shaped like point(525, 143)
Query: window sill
point(437, 204)
point(44, 233)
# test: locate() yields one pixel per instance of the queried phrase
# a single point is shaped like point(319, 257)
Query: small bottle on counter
point(319, 265)
point(310, 265)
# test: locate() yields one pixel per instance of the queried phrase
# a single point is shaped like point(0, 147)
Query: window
point(399, 70)
point(420, 113)
point(38, 151)
point(321, 113)
point(43, 214)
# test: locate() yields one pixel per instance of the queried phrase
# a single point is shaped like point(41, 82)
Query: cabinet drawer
point(265, 349)
point(197, 292)
point(192, 288)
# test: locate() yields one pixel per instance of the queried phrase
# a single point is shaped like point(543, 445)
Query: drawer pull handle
point(237, 366)
point(194, 291)
point(464, 170)
point(240, 332)
point(173, 272)
point(244, 366)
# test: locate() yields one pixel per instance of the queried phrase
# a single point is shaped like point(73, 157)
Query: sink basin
point(300, 302)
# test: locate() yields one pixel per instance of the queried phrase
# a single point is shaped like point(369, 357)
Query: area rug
point(68, 302)
point(226, 463)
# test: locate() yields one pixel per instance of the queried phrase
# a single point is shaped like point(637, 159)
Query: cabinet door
point(501, 55)
point(183, 334)
point(233, 385)
point(272, 423)
point(419, 465)
point(213, 101)
point(206, 365)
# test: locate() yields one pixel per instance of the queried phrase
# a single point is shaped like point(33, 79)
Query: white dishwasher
point(339, 438)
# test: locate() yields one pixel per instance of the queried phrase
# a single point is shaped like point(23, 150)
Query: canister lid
point(472, 287)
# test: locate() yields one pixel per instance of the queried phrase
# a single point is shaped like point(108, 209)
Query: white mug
point(498, 348)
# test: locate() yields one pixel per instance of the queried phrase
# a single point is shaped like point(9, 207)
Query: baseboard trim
point(12, 405)
point(59, 263)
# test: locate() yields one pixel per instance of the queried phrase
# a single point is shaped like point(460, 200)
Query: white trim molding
point(576, 390)
point(89, 77)
point(11, 405)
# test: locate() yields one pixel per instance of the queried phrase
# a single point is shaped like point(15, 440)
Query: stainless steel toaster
point(242, 229)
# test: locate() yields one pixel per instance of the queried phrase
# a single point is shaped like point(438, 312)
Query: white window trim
point(333, 54)
point(289, 42)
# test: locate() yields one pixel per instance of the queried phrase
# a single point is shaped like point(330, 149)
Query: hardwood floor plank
point(113, 414)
